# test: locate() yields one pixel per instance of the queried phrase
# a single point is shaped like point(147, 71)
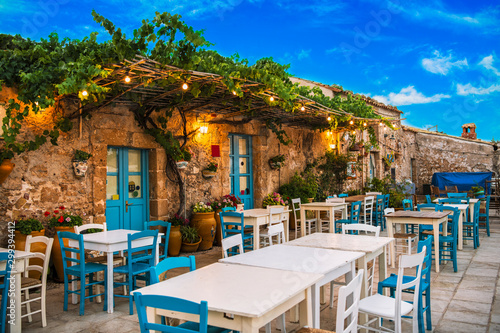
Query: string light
point(185, 86)
point(271, 99)
point(332, 145)
point(353, 132)
point(351, 122)
point(329, 118)
point(364, 124)
point(329, 133)
point(127, 79)
point(302, 108)
point(234, 92)
point(84, 93)
point(380, 124)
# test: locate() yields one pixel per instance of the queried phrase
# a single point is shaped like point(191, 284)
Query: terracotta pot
point(218, 229)
point(174, 241)
point(208, 174)
point(191, 247)
point(57, 255)
point(206, 225)
point(20, 240)
point(5, 169)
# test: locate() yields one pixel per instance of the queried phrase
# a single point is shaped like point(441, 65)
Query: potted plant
point(190, 239)
point(478, 191)
point(61, 220)
point(210, 171)
point(235, 200)
point(24, 228)
point(175, 237)
point(277, 161)
point(273, 199)
point(80, 163)
point(204, 221)
point(182, 157)
point(6, 166)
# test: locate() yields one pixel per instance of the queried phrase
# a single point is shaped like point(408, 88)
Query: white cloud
point(440, 64)
point(303, 54)
point(468, 89)
point(408, 96)
point(487, 63)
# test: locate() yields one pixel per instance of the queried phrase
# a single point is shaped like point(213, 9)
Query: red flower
point(46, 214)
point(56, 212)
point(61, 207)
point(61, 219)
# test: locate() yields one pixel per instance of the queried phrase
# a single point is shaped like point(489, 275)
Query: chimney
point(469, 131)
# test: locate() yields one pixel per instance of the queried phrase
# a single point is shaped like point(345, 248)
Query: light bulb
point(204, 129)
point(364, 124)
point(127, 79)
point(329, 133)
point(185, 86)
point(332, 146)
point(380, 124)
point(234, 92)
point(271, 99)
point(351, 122)
point(353, 132)
point(329, 118)
point(302, 109)
point(385, 127)
point(84, 93)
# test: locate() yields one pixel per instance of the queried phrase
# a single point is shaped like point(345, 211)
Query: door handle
point(126, 206)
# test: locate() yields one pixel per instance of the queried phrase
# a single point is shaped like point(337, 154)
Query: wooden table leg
point(256, 237)
point(436, 245)
point(302, 221)
point(109, 262)
point(390, 233)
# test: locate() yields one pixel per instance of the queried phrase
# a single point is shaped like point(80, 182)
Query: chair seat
point(89, 268)
point(383, 306)
point(103, 259)
point(392, 281)
point(192, 326)
point(313, 330)
point(136, 267)
point(29, 282)
point(404, 235)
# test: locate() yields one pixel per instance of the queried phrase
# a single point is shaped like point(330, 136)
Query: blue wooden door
point(240, 153)
point(127, 188)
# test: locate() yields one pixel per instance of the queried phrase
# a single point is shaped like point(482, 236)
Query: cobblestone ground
point(466, 301)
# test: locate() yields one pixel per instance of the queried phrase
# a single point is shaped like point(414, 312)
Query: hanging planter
point(5, 169)
point(355, 147)
point(182, 164)
point(277, 161)
point(80, 163)
point(208, 174)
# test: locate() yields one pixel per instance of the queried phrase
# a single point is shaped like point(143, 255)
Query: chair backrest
point(237, 226)
point(274, 210)
point(45, 257)
point(488, 198)
point(66, 252)
point(355, 212)
point(84, 227)
point(477, 209)
point(369, 204)
point(171, 263)
point(278, 230)
point(229, 209)
point(346, 228)
point(4, 285)
point(230, 242)
point(389, 210)
point(335, 200)
point(454, 220)
point(373, 193)
point(343, 195)
point(164, 237)
point(170, 304)
point(456, 195)
point(407, 204)
point(331, 196)
point(141, 253)
point(429, 206)
point(349, 314)
point(409, 262)
point(296, 207)
point(426, 270)
point(428, 198)
point(379, 202)
point(386, 200)
point(451, 200)
point(453, 189)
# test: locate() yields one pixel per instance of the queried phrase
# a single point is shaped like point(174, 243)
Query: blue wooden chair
point(448, 243)
point(428, 198)
point(163, 239)
point(343, 195)
point(407, 204)
point(471, 229)
point(4, 289)
point(139, 259)
point(378, 211)
point(353, 218)
point(456, 195)
point(425, 285)
point(484, 218)
point(386, 205)
point(171, 263)
point(177, 305)
point(237, 228)
point(78, 268)
point(422, 228)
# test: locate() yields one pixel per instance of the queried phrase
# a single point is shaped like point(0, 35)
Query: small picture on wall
point(351, 170)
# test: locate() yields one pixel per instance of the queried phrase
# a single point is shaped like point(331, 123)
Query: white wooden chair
point(404, 242)
point(230, 242)
point(28, 283)
point(298, 223)
point(368, 210)
point(370, 266)
point(391, 308)
point(345, 315)
point(268, 234)
point(327, 221)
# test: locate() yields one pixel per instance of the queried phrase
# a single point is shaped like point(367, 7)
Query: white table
point(414, 217)
point(330, 263)
point(322, 206)
point(253, 295)
point(109, 242)
point(258, 217)
point(463, 211)
point(20, 265)
point(472, 201)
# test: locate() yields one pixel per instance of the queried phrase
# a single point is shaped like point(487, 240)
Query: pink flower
point(68, 219)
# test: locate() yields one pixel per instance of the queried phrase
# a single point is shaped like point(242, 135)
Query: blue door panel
point(241, 174)
point(113, 217)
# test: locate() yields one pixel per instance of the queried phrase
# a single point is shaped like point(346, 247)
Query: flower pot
point(274, 165)
point(182, 164)
point(57, 255)
point(191, 247)
point(218, 228)
point(80, 168)
point(240, 207)
point(20, 241)
point(206, 225)
point(174, 241)
point(5, 169)
point(208, 174)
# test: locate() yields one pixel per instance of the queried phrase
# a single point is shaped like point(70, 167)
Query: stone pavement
point(466, 301)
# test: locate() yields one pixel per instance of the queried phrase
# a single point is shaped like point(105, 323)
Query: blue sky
point(438, 61)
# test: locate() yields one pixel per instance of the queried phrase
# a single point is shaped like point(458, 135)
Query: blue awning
point(463, 180)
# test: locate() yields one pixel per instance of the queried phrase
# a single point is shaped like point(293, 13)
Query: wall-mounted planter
point(5, 169)
point(274, 165)
point(80, 168)
point(182, 164)
point(207, 174)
